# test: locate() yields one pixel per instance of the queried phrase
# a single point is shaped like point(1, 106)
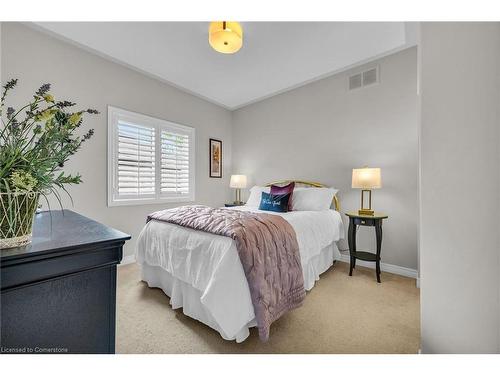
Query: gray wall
point(338, 130)
point(94, 82)
point(459, 244)
point(321, 131)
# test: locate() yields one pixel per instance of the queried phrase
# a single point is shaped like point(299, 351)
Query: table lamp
point(366, 179)
point(238, 182)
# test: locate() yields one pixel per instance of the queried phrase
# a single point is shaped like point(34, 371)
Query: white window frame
point(114, 115)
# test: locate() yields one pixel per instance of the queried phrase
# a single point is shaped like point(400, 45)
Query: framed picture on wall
point(215, 148)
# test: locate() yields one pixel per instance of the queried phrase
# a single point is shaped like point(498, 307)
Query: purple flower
point(14, 124)
point(89, 134)
point(9, 85)
point(10, 112)
point(43, 89)
point(65, 103)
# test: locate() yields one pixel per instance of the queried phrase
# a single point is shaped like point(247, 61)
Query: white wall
point(94, 82)
point(460, 206)
point(321, 131)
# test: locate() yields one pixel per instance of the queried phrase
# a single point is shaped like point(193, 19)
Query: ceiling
point(275, 57)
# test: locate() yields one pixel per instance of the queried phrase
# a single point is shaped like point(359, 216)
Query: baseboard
point(129, 259)
point(391, 268)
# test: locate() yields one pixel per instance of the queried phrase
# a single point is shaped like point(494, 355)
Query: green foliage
point(36, 141)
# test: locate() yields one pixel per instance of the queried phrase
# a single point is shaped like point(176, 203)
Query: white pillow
point(312, 199)
point(256, 195)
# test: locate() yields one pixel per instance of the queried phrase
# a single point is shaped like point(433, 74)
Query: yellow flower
point(48, 98)
point(75, 118)
point(46, 115)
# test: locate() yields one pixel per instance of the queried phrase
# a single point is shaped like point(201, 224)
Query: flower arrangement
point(35, 142)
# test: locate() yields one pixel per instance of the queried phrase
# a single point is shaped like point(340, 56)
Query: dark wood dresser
point(58, 294)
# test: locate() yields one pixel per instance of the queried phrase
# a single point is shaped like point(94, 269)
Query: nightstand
point(374, 220)
point(234, 204)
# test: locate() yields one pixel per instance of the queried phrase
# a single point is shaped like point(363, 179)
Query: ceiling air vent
point(355, 81)
point(365, 78)
point(370, 77)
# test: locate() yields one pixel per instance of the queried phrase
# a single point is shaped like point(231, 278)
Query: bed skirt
point(183, 295)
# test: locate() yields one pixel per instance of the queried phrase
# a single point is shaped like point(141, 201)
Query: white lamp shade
point(238, 181)
point(366, 178)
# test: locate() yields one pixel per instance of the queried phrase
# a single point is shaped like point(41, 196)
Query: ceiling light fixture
point(225, 37)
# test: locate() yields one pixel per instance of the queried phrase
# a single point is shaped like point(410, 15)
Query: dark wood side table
point(234, 204)
point(58, 294)
point(370, 221)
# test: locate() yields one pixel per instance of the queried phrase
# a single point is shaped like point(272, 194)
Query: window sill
point(147, 201)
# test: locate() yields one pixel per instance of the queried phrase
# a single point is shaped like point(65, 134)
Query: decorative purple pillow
point(281, 190)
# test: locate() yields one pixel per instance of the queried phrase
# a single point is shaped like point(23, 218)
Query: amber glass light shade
point(225, 36)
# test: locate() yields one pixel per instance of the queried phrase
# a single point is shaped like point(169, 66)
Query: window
point(149, 160)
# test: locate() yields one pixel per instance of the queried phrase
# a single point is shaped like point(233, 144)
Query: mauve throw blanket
point(268, 250)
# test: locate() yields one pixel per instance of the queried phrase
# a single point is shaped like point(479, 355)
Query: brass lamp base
point(238, 201)
point(366, 212)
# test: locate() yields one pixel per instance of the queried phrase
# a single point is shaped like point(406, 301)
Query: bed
point(202, 272)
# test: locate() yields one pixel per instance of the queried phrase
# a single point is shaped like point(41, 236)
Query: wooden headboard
point(335, 201)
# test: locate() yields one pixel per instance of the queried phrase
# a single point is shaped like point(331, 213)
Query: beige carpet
point(341, 314)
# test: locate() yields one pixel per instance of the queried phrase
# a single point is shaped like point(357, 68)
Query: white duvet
point(210, 263)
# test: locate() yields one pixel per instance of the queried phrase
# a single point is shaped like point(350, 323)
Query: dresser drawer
point(15, 274)
point(71, 314)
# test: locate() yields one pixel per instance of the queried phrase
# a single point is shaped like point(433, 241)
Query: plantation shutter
point(175, 161)
point(150, 160)
point(136, 160)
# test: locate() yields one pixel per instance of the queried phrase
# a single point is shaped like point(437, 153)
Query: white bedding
point(210, 264)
